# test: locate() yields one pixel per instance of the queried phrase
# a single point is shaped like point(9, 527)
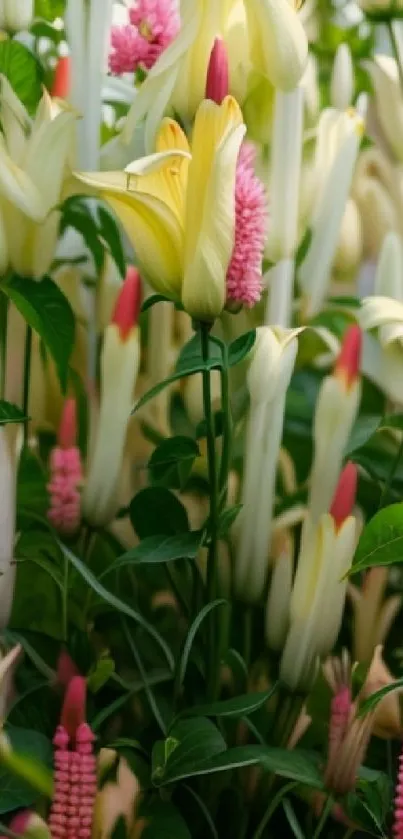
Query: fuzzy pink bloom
point(340, 710)
point(153, 25)
point(244, 276)
point(72, 809)
point(66, 474)
point(398, 821)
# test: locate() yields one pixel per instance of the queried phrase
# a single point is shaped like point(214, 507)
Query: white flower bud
point(342, 81)
point(16, 15)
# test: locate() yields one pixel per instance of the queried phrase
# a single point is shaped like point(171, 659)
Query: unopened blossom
point(61, 80)
point(373, 612)
point(377, 193)
point(153, 25)
point(66, 474)
point(75, 783)
point(342, 80)
point(388, 102)
point(387, 713)
point(29, 825)
point(16, 15)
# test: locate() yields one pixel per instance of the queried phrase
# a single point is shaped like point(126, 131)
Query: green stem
point(27, 376)
point(227, 427)
point(396, 51)
point(3, 342)
point(391, 475)
point(65, 598)
point(272, 806)
point(247, 635)
point(327, 809)
point(213, 669)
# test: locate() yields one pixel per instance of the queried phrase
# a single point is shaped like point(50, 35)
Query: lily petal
point(278, 41)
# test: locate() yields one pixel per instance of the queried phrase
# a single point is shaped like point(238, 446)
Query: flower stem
point(3, 342)
point(213, 668)
point(396, 51)
point(273, 804)
point(27, 376)
point(227, 426)
point(327, 809)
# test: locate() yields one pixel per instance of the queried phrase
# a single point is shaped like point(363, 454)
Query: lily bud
point(389, 273)
point(342, 81)
point(278, 604)
point(278, 41)
point(388, 718)
point(268, 379)
point(16, 15)
point(217, 85)
point(384, 73)
point(350, 246)
point(336, 411)
point(319, 591)
point(120, 361)
point(29, 825)
point(61, 80)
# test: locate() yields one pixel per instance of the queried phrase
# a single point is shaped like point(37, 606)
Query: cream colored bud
point(389, 272)
point(342, 81)
point(389, 105)
point(278, 604)
point(16, 15)
point(349, 250)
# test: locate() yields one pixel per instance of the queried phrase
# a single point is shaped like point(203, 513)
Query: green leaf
point(375, 698)
point(346, 301)
point(47, 310)
point(10, 413)
point(25, 771)
point(241, 347)
point(100, 674)
point(363, 430)
point(193, 630)
point(238, 706)
point(155, 550)
point(227, 519)
point(118, 604)
point(189, 744)
point(76, 213)
point(189, 362)
point(171, 463)
point(292, 819)
point(24, 72)
point(303, 247)
point(152, 300)
point(157, 511)
point(162, 820)
point(109, 231)
point(32, 494)
point(49, 9)
point(381, 541)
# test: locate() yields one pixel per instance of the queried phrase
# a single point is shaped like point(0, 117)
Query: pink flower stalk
point(244, 276)
point(153, 26)
point(217, 84)
point(72, 810)
point(348, 363)
point(61, 80)
point(66, 475)
point(398, 820)
point(344, 497)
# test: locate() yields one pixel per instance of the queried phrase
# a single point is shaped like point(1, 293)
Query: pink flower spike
point(73, 711)
point(67, 436)
point(66, 669)
point(128, 304)
point(344, 497)
point(217, 84)
point(398, 821)
point(61, 80)
point(244, 275)
point(348, 363)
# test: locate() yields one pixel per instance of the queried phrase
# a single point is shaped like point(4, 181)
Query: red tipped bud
point(61, 80)
point(68, 424)
point(128, 304)
point(344, 497)
point(66, 669)
point(73, 711)
point(217, 84)
point(348, 362)
point(28, 824)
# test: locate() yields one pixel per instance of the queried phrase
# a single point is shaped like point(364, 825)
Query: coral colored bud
point(61, 80)
point(66, 669)
point(344, 497)
point(68, 424)
point(217, 84)
point(348, 362)
point(73, 711)
point(128, 304)
point(28, 824)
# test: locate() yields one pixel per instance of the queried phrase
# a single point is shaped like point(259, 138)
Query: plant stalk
point(27, 377)
point(3, 342)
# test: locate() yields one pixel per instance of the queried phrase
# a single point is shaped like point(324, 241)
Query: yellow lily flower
point(263, 36)
point(178, 207)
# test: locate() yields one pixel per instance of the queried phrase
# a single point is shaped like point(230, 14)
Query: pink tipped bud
point(127, 308)
point(61, 80)
point(68, 424)
point(73, 711)
point(217, 84)
point(348, 363)
point(29, 824)
point(344, 497)
point(66, 669)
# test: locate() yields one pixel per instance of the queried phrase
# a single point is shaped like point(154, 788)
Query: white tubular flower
point(268, 379)
point(278, 604)
point(278, 44)
point(310, 86)
point(120, 361)
point(336, 411)
point(339, 136)
point(388, 101)
point(350, 245)
point(377, 192)
point(7, 529)
point(16, 15)
point(342, 81)
point(33, 159)
point(319, 590)
point(88, 25)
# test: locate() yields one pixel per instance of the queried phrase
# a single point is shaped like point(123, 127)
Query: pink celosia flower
point(65, 474)
point(398, 821)
point(72, 809)
point(153, 25)
point(244, 277)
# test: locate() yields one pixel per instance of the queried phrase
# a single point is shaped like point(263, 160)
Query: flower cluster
point(153, 25)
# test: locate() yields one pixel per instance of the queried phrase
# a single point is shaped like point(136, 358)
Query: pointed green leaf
point(381, 541)
point(10, 413)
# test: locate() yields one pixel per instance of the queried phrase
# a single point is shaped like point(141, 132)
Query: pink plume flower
point(72, 808)
point(244, 276)
point(66, 475)
point(398, 820)
point(153, 25)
